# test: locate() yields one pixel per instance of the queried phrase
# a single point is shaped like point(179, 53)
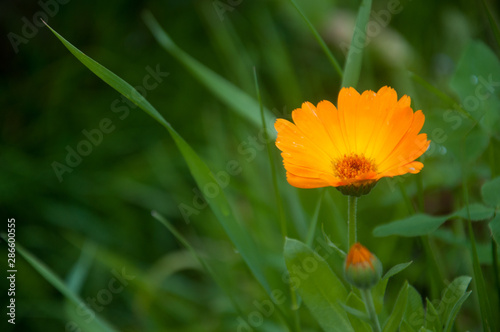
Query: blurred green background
point(98, 218)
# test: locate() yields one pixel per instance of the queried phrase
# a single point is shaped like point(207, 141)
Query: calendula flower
point(352, 146)
point(362, 268)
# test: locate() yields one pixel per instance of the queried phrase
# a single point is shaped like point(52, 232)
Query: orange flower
point(352, 146)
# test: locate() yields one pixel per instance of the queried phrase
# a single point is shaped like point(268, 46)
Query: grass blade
point(478, 274)
point(493, 23)
point(245, 245)
point(354, 59)
point(80, 270)
point(203, 263)
point(279, 201)
point(320, 40)
point(97, 324)
point(229, 94)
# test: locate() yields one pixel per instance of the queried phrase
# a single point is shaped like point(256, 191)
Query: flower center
point(350, 166)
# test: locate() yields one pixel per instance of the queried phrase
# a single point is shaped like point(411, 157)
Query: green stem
point(370, 307)
point(351, 220)
point(496, 272)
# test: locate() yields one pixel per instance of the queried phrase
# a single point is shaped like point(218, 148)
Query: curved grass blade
point(354, 59)
point(80, 270)
point(97, 324)
point(484, 306)
point(279, 201)
point(203, 263)
point(229, 94)
point(320, 40)
point(245, 245)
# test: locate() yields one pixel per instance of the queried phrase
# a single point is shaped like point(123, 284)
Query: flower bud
point(362, 268)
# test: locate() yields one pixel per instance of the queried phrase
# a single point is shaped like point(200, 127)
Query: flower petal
point(308, 121)
point(301, 156)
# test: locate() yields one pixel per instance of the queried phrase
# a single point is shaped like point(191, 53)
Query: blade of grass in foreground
point(203, 263)
point(320, 40)
point(97, 324)
point(232, 96)
point(81, 269)
point(434, 273)
point(279, 201)
point(482, 294)
point(245, 245)
point(354, 59)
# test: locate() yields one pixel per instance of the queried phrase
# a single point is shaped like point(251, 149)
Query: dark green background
point(48, 98)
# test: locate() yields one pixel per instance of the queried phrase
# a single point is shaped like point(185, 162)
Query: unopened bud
point(362, 268)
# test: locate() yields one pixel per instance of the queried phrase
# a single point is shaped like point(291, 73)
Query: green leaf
point(354, 59)
point(321, 290)
point(355, 308)
point(415, 225)
point(432, 320)
point(97, 324)
point(424, 224)
point(454, 312)
point(450, 102)
point(477, 212)
point(378, 293)
point(245, 245)
point(495, 228)
point(476, 83)
point(396, 269)
point(452, 295)
point(414, 316)
point(491, 192)
point(405, 327)
point(228, 93)
point(394, 320)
